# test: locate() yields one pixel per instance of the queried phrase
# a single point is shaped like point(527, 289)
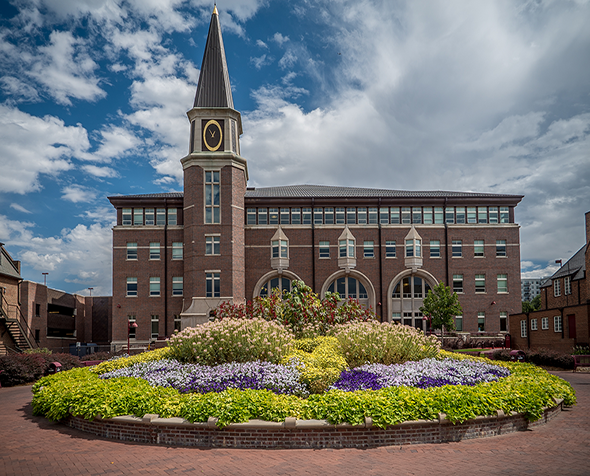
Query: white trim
point(288, 274)
point(355, 274)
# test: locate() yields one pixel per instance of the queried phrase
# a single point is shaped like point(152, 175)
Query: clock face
point(212, 135)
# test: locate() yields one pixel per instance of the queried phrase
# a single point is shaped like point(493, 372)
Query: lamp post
point(90, 289)
point(131, 325)
point(44, 278)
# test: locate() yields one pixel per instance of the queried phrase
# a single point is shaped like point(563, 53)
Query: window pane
point(154, 250)
point(324, 249)
point(390, 249)
point(172, 217)
point(406, 217)
point(457, 249)
point(460, 214)
point(416, 215)
point(342, 246)
point(150, 216)
point(351, 248)
point(126, 217)
point(471, 216)
point(482, 214)
point(478, 248)
point(394, 215)
point(351, 216)
point(501, 248)
point(262, 216)
point(384, 216)
point(251, 216)
point(435, 249)
point(362, 216)
point(318, 216)
point(340, 216)
point(504, 215)
point(450, 215)
point(352, 288)
point(329, 216)
point(296, 216)
point(438, 215)
point(493, 214)
point(273, 216)
point(373, 217)
point(427, 215)
point(368, 249)
point(409, 248)
point(306, 219)
point(132, 251)
point(138, 216)
point(160, 216)
point(285, 216)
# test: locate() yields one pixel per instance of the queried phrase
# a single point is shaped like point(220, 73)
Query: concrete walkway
point(34, 446)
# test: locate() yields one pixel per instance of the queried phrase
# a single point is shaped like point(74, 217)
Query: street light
point(44, 278)
point(90, 289)
point(131, 325)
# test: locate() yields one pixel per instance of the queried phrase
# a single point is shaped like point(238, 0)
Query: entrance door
point(571, 324)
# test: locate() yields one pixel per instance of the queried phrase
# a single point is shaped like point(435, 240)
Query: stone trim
point(293, 433)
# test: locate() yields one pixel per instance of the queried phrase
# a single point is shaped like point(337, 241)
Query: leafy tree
point(530, 306)
point(441, 305)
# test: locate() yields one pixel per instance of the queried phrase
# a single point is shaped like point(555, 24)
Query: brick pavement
point(34, 446)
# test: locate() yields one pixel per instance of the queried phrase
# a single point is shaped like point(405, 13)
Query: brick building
point(177, 256)
point(564, 318)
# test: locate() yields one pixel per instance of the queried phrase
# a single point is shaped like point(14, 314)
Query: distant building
point(177, 256)
point(35, 316)
point(530, 288)
point(564, 318)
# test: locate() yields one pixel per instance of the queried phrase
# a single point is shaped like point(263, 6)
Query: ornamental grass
point(383, 343)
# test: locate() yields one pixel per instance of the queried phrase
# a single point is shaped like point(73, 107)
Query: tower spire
point(214, 89)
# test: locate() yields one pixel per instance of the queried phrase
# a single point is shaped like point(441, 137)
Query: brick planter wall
point(301, 433)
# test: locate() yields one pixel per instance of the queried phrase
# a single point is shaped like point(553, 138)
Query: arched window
point(349, 287)
point(278, 282)
point(407, 296)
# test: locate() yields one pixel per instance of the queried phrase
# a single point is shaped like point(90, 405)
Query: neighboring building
point(530, 288)
point(177, 256)
point(33, 315)
point(563, 320)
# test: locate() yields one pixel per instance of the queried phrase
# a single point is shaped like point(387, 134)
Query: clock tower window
point(212, 205)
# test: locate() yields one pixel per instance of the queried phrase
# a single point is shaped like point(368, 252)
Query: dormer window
point(279, 251)
point(413, 250)
point(346, 250)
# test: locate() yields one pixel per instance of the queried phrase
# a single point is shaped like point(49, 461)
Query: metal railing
point(6, 310)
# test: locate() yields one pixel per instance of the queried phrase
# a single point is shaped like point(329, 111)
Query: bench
point(581, 361)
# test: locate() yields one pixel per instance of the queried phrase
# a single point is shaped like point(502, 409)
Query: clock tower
point(215, 178)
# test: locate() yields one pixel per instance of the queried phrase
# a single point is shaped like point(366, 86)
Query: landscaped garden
point(297, 356)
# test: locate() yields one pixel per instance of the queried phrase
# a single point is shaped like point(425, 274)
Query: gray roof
point(214, 89)
point(573, 267)
point(152, 195)
point(7, 265)
point(326, 191)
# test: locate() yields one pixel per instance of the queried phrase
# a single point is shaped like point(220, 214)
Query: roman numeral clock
point(212, 135)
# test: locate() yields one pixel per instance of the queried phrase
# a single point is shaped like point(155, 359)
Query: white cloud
point(19, 208)
point(261, 44)
point(18, 89)
point(115, 142)
point(280, 39)
point(261, 61)
point(100, 172)
point(78, 193)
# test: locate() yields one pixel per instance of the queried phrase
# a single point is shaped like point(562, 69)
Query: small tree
point(530, 306)
point(441, 305)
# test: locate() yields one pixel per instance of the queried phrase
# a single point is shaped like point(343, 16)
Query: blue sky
point(417, 95)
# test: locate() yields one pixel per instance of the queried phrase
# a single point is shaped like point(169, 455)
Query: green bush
point(543, 357)
point(122, 362)
point(581, 350)
point(39, 350)
point(24, 368)
point(299, 310)
point(231, 340)
point(528, 390)
point(321, 367)
point(384, 343)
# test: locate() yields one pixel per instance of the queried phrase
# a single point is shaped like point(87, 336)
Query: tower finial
point(215, 9)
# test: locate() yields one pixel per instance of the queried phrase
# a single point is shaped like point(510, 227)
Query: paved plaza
point(35, 446)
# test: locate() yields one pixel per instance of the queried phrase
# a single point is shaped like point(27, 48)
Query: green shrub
point(300, 310)
point(231, 340)
point(543, 357)
point(119, 363)
point(39, 350)
point(384, 343)
point(28, 367)
point(581, 350)
point(321, 367)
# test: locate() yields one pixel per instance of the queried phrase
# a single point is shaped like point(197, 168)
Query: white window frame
point(534, 325)
point(567, 285)
point(481, 316)
point(137, 216)
point(480, 278)
point(177, 285)
point(279, 248)
point(132, 252)
point(172, 216)
point(324, 249)
point(212, 280)
point(502, 278)
point(479, 249)
point(368, 249)
point(457, 249)
point(155, 251)
point(435, 246)
point(501, 249)
point(523, 328)
point(212, 189)
point(127, 217)
point(155, 286)
point(458, 278)
point(212, 245)
point(544, 323)
point(346, 248)
point(130, 319)
point(150, 216)
point(177, 250)
point(556, 288)
point(390, 251)
point(155, 319)
point(459, 323)
point(131, 293)
point(557, 324)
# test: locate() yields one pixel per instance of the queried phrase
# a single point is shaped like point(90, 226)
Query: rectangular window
point(296, 216)
point(155, 326)
point(212, 244)
point(500, 248)
point(427, 212)
point(417, 215)
point(480, 283)
point(556, 288)
point(131, 330)
point(177, 250)
point(150, 216)
point(177, 323)
point(504, 215)
point(482, 214)
point(131, 286)
point(154, 250)
point(493, 214)
point(406, 215)
point(285, 216)
point(438, 215)
point(177, 285)
point(324, 249)
point(522, 328)
point(460, 212)
point(37, 310)
point(351, 216)
point(132, 251)
point(329, 216)
point(362, 215)
point(409, 248)
point(567, 285)
point(471, 215)
point(373, 216)
point(340, 216)
point(457, 249)
point(368, 249)
point(481, 321)
point(262, 216)
point(160, 216)
point(137, 216)
point(544, 323)
point(306, 219)
point(251, 216)
point(212, 203)
point(127, 217)
point(502, 283)
point(533, 324)
point(173, 216)
point(280, 249)
point(503, 321)
point(557, 323)
point(273, 216)
point(457, 283)
point(390, 249)
point(346, 246)
point(394, 215)
point(213, 285)
point(384, 216)
point(459, 323)
point(154, 286)
point(435, 248)
point(450, 215)
point(478, 248)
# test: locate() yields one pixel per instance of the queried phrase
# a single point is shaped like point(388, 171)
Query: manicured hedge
point(19, 369)
point(81, 392)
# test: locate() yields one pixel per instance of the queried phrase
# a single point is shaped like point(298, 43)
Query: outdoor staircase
point(15, 329)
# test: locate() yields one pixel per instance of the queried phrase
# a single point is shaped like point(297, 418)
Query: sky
point(449, 95)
